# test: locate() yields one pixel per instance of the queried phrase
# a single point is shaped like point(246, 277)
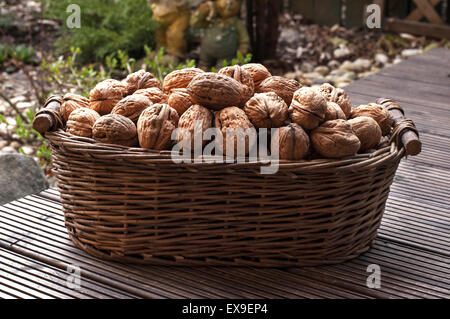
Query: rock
point(15, 145)
point(347, 77)
point(347, 66)
point(307, 67)
point(19, 176)
point(341, 52)
point(24, 105)
point(322, 69)
point(312, 75)
point(3, 144)
point(397, 61)
point(27, 150)
point(333, 64)
point(8, 149)
point(381, 58)
point(299, 52)
point(341, 85)
point(361, 64)
point(407, 53)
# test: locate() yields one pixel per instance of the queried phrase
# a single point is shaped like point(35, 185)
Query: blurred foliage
point(160, 64)
point(106, 27)
point(20, 52)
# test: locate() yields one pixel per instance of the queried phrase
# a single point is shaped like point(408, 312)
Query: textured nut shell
point(115, 129)
point(242, 76)
point(233, 118)
point(72, 102)
point(378, 113)
point(215, 91)
point(155, 126)
point(132, 106)
point(367, 130)
point(292, 142)
point(338, 96)
point(334, 112)
point(105, 95)
point(180, 79)
point(308, 108)
point(140, 80)
point(258, 72)
point(266, 110)
point(188, 125)
point(335, 139)
point(155, 95)
point(180, 100)
point(283, 87)
point(80, 122)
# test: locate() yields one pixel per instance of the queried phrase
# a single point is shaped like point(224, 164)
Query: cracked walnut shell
point(291, 142)
point(308, 108)
point(237, 131)
point(81, 121)
point(335, 139)
point(258, 72)
point(155, 126)
point(180, 100)
point(140, 80)
point(192, 124)
point(105, 95)
point(72, 102)
point(115, 129)
point(132, 106)
point(378, 113)
point(266, 110)
point(180, 79)
point(154, 94)
point(242, 76)
point(283, 87)
point(338, 96)
point(215, 91)
point(367, 130)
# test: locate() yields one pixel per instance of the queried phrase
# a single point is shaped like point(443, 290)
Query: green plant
point(106, 27)
point(160, 64)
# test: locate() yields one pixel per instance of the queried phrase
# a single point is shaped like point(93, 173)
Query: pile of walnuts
point(311, 122)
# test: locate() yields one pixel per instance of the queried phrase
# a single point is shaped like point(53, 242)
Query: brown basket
point(135, 205)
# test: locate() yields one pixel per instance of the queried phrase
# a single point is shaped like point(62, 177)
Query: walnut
point(258, 72)
point(180, 100)
point(155, 126)
point(308, 108)
point(105, 95)
point(215, 91)
point(367, 130)
point(242, 76)
point(155, 95)
point(115, 129)
point(180, 79)
point(334, 112)
point(338, 96)
point(132, 106)
point(291, 141)
point(236, 130)
point(335, 139)
point(80, 122)
point(378, 113)
point(196, 120)
point(283, 87)
point(140, 80)
point(72, 102)
point(266, 110)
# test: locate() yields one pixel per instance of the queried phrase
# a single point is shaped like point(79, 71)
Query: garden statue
point(225, 34)
point(173, 16)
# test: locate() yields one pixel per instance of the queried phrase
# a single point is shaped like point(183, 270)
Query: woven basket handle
point(405, 132)
point(49, 117)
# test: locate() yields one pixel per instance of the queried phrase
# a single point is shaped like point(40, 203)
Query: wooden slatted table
point(412, 247)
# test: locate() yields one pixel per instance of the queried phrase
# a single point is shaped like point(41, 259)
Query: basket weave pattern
point(139, 206)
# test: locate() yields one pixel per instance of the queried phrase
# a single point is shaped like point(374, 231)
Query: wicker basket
point(138, 206)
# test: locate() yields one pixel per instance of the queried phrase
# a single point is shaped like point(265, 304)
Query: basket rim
point(102, 150)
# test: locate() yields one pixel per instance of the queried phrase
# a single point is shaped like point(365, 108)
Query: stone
point(341, 52)
point(8, 149)
point(361, 64)
point(20, 176)
point(27, 150)
point(307, 67)
point(333, 64)
point(15, 145)
point(322, 69)
point(3, 144)
point(347, 66)
point(381, 58)
point(407, 53)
